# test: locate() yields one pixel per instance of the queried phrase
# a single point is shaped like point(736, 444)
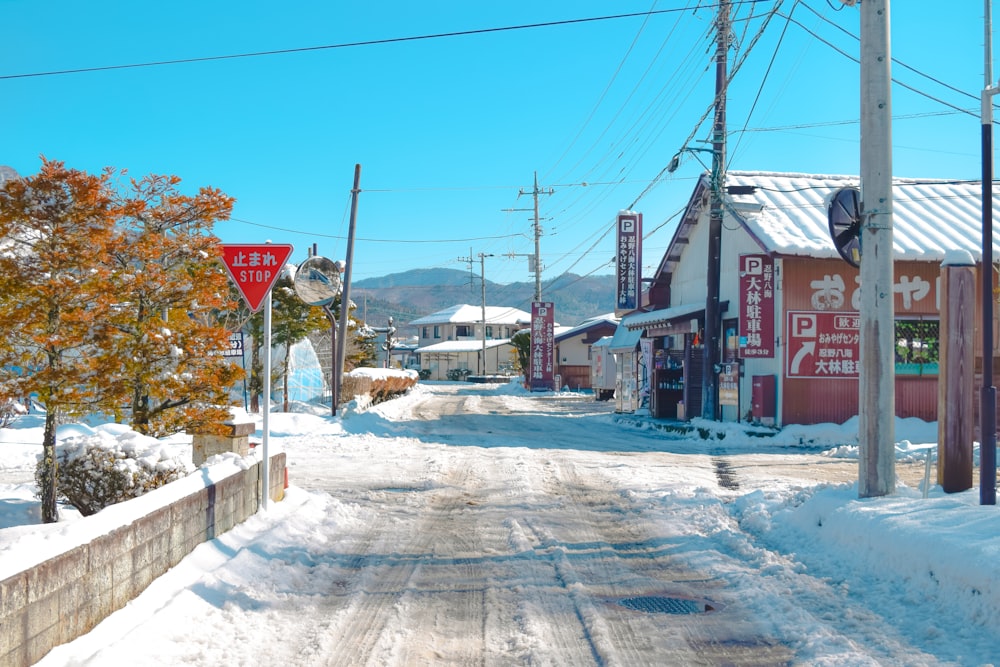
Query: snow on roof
point(567, 332)
point(641, 320)
point(463, 345)
point(787, 213)
point(464, 313)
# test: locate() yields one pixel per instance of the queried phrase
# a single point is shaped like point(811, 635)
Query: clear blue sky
point(448, 130)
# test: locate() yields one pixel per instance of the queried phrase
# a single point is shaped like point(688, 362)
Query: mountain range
point(413, 294)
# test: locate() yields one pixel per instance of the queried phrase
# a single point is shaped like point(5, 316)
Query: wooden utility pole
point(877, 386)
point(956, 377)
point(713, 316)
point(345, 295)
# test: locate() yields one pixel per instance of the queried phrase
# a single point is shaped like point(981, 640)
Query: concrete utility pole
point(877, 386)
point(345, 295)
point(988, 393)
point(482, 280)
point(537, 259)
point(713, 316)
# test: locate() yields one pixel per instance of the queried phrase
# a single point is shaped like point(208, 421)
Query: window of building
point(489, 332)
point(437, 331)
point(917, 347)
point(427, 332)
point(463, 330)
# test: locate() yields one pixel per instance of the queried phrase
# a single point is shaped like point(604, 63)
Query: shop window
point(917, 347)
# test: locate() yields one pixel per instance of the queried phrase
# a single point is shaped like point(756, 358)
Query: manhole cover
point(658, 604)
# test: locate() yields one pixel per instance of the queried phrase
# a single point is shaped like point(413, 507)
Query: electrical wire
point(345, 45)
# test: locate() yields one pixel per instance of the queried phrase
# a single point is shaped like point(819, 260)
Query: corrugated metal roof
point(625, 339)
point(787, 213)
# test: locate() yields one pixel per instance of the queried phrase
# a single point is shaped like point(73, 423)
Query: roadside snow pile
point(109, 465)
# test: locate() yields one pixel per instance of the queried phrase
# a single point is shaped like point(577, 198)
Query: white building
point(460, 341)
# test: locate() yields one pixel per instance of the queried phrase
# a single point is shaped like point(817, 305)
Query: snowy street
point(469, 525)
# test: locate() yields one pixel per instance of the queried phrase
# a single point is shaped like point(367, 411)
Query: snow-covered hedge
point(102, 469)
point(381, 384)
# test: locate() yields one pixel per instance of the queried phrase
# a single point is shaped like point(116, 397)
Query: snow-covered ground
point(474, 524)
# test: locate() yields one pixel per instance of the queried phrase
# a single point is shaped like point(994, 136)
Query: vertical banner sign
point(629, 262)
point(756, 306)
point(255, 268)
point(542, 361)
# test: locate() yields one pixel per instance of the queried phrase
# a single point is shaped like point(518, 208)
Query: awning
point(661, 317)
point(625, 339)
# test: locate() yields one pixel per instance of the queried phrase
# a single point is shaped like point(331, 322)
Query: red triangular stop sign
point(255, 268)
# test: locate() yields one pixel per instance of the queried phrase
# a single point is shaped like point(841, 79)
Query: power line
point(346, 45)
point(370, 240)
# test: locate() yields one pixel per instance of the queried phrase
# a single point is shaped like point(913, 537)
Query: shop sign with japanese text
point(542, 353)
point(629, 261)
point(823, 344)
point(756, 306)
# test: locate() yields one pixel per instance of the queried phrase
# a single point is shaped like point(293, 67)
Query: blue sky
point(449, 130)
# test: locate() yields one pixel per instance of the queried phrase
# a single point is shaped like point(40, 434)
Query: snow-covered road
point(460, 525)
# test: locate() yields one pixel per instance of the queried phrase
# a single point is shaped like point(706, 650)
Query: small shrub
point(424, 374)
point(95, 471)
point(459, 374)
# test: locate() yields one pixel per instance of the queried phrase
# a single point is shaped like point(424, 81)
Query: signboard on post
point(823, 344)
point(255, 268)
point(541, 371)
point(628, 261)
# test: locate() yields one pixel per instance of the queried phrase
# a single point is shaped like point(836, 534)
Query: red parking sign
point(255, 268)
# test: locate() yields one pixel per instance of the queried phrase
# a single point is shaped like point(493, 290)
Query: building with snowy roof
point(789, 302)
point(460, 341)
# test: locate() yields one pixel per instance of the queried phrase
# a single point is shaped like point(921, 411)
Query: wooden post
point(956, 391)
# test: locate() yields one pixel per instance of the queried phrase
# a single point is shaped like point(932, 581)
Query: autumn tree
point(164, 338)
point(55, 227)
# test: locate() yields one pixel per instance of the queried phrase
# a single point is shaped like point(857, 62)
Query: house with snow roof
point(574, 350)
point(468, 340)
point(789, 302)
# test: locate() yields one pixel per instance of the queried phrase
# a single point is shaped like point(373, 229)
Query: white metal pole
point(877, 400)
point(266, 408)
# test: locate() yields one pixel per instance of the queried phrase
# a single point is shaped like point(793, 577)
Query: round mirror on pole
point(317, 281)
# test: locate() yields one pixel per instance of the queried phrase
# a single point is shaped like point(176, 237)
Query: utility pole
point(713, 316)
point(536, 261)
point(482, 274)
point(988, 393)
point(345, 295)
point(877, 376)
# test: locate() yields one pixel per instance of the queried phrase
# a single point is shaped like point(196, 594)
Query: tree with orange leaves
point(164, 338)
point(54, 226)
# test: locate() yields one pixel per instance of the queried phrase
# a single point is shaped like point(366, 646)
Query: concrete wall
point(66, 596)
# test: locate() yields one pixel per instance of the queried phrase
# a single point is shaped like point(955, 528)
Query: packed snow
point(476, 524)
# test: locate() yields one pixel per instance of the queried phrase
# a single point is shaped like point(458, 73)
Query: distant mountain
point(412, 294)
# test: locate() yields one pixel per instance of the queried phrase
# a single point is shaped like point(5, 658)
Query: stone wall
point(64, 597)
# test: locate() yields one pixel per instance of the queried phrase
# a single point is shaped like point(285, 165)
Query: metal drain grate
point(658, 604)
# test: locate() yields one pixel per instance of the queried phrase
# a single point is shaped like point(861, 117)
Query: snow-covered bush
point(379, 384)
point(102, 469)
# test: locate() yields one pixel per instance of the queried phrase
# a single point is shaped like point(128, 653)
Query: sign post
point(255, 269)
